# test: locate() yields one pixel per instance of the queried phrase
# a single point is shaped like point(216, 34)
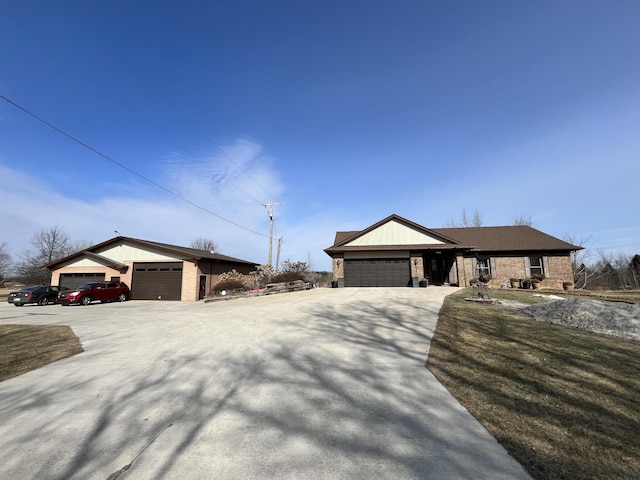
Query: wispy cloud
point(229, 175)
point(229, 184)
point(233, 183)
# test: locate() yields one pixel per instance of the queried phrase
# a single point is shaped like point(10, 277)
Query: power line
point(115, 162)
point(148, 86)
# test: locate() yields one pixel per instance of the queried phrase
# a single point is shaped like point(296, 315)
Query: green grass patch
point(563, 402)
point(27, 347)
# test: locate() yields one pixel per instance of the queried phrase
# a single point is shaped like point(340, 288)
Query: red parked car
point(89, 292)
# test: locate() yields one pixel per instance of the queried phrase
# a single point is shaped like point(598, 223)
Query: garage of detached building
point(153, 271)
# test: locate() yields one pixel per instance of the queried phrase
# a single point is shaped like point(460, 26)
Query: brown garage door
point(73, 280)
point(156, 281)
point(378, 272)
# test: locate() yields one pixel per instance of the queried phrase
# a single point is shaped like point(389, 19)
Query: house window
point(536, 266)
point(484, 267)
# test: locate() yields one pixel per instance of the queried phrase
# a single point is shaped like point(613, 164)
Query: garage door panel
point(393, 272)
point(157, 281)
point(69, 281)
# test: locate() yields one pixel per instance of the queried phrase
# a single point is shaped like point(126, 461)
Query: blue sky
point(343, 111)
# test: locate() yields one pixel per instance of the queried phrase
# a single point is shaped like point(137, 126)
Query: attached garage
point(398, 252)
point(385, 272)
point(69, 281)
point(157, 281)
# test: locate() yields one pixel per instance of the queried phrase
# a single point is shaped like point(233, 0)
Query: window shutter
point(527, 267)
point(474, 268)
point(492, 263)
point(545, 266)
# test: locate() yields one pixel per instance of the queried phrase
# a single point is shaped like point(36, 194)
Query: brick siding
point(559, 271)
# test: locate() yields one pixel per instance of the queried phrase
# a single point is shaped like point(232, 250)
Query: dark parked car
point(40, 294)
point(87, 293)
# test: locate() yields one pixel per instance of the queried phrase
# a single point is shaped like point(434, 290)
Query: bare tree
point(47, 246)
point(580, 260)
point(77, 246)
point(466, 221)
point(611, 271)
point(205, 244)
point(50, 245)
point(477, 219)
point(634, 268)
point(522, 220)
point(625, 275)
point(604, 273)
point(5, 263)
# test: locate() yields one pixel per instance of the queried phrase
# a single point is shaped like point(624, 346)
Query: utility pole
point(269, 206)
point(278, 255)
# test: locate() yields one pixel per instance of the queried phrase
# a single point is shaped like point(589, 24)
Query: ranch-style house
point(396, 252)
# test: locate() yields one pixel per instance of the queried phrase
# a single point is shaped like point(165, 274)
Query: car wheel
point(86, 300)
point(43, 301)
point(122, 297)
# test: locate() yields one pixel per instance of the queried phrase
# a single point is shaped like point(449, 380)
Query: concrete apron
point(323, 384)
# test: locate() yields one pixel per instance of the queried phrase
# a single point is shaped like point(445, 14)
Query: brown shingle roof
point(342, 236)
point(190, 252)
point(508, 238)
point(514, 238)
point(184, 252)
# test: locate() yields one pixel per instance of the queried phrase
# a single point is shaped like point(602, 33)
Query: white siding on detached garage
point(394, 233)
point(123, 252)
point(87, 262)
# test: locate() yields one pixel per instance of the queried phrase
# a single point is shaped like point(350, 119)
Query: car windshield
point(86, 286)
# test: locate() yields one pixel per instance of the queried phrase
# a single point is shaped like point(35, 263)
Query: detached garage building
point(153, 271)
point(396, 252)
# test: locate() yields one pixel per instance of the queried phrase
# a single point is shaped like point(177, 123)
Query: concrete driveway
point(323, 384)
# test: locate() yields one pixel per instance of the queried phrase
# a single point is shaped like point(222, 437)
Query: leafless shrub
point(231, 281)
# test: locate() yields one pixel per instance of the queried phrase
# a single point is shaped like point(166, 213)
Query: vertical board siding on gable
point(394, 233)
point(124, 252)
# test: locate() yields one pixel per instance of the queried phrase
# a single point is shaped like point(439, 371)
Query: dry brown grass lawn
point(563, 402)
point(28, 347)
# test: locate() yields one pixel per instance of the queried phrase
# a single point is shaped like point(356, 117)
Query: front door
point(437, 267)
point(202, 290)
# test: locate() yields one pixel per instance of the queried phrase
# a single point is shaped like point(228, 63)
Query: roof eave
point(394, 248)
